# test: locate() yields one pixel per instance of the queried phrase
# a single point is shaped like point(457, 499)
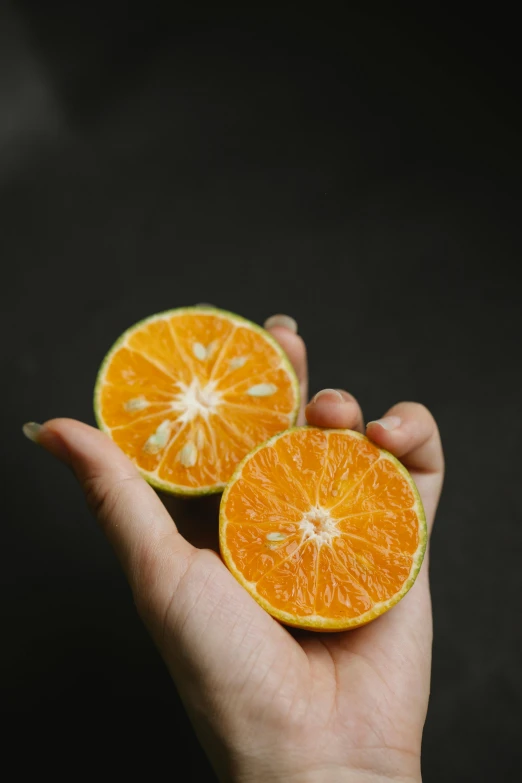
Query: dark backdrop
point(360, 172)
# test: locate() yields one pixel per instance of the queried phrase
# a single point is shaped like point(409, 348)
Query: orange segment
point(348, 460)
point(137, 439)
point(201, 337)
point(261, 391)
point(240, 355)
point(324, 529)
point(338, 593)
point(156, 341)
point(188, 393)
point(396, 531)
point(258, 552)
point(269, 476)
point(253, 426)
point(306, 460)
point(380, 574)
point(191, 449)
point(230, 446)
point(291, 585)
point(247, 505)
point(134, 373)
point(121, 409)
point(382, 488)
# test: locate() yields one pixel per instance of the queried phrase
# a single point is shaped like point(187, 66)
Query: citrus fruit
point(188, 393)
point(324, 529)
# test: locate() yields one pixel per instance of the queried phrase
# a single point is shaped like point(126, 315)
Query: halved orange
point(324, 529)
point(188, 393)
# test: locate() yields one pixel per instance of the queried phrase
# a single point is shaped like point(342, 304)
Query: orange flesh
point(215, 387)
point(322, 525)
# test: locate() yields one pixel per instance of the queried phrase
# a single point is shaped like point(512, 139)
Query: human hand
point(269, 703)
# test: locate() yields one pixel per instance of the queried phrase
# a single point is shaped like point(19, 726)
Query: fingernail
point(387, 423)
point(31, 430)
point(48, 439)
point(333, 392)
point(282, 320)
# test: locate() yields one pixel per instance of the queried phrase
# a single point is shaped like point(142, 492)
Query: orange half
point(186, 394)
point(324, 529)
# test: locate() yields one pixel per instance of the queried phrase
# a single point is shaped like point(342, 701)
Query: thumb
point(128, 510)
point(207, 627)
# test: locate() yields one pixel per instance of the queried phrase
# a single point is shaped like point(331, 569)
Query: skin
point(270, 703)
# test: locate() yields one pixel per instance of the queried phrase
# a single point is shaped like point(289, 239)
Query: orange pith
point(187, 393)
point(324, 529)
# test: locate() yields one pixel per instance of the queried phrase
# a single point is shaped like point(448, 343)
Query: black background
point(359, 171)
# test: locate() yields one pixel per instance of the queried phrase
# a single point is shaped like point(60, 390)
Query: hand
point(267, 703)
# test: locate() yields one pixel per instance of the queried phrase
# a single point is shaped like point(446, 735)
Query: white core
point(194, 399)
point(319, 525)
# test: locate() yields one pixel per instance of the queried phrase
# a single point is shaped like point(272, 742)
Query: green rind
point(176, 489)
point(321, 624)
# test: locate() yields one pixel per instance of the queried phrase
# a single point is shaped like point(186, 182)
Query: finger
point(335, 408)
point(409, 432)
point(284, 329)
point(130, 513)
